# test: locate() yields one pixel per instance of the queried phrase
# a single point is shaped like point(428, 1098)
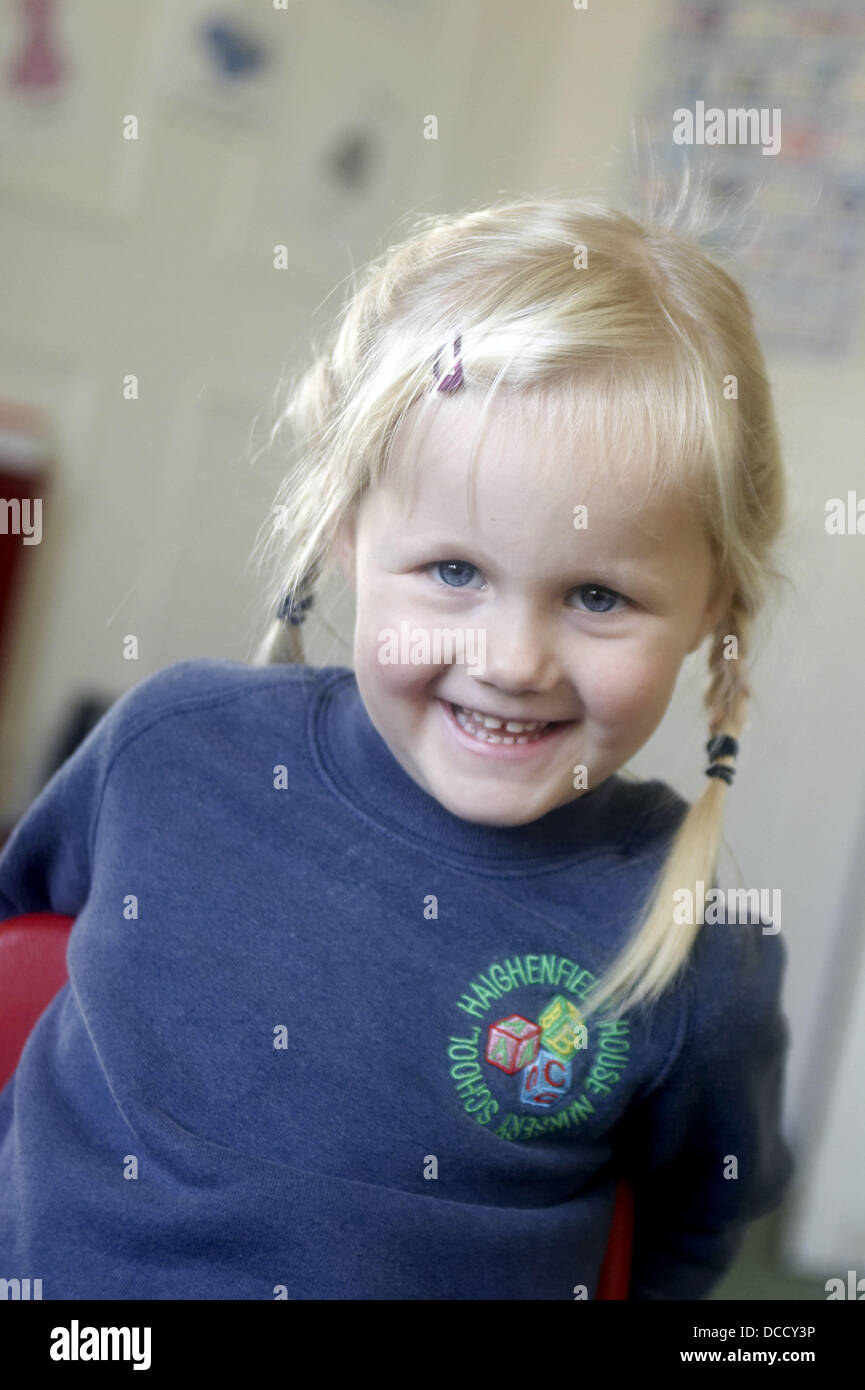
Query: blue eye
point(599, 589)
point(455, 572)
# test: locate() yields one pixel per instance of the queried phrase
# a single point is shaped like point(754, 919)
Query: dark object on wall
point(82, 716)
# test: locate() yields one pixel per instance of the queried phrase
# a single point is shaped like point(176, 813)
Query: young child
point(380, 978)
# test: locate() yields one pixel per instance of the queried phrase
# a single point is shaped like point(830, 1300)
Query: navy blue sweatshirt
point(321, 1037)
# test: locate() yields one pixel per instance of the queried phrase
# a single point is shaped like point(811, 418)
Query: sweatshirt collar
point(359, 767)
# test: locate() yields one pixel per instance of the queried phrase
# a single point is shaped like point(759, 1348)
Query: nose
point(520, 652)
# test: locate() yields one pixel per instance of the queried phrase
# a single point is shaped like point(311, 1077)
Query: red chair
point(33, 969)
point(615, 1276)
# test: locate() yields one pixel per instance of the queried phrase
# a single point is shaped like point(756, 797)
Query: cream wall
point(158, 262)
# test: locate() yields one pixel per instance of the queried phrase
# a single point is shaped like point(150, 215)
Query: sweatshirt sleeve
point(707, 1155)
point(46, 863)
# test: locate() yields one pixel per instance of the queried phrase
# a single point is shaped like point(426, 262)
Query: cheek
point(404, 681)
point(383, 655)
point(633, 683)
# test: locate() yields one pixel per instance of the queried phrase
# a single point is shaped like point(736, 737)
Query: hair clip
point(721, 746)
point(453, 380)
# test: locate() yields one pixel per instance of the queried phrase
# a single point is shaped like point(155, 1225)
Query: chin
point(494, 816)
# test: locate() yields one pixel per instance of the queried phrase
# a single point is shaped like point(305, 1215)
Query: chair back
point(615, 1277)
point(32, 970)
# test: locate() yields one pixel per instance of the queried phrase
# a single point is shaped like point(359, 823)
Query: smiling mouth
point(491, 728)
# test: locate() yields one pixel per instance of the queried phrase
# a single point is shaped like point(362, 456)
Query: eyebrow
point(450, 548)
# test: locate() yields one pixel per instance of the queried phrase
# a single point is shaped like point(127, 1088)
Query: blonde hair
point(639, 328)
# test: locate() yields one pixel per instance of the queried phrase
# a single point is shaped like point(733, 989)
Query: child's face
point(513, 572)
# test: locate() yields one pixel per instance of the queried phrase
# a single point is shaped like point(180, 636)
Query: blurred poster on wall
point(57, 145)
point(43, 98)
point(225, 60)
point(768, 98)
point(347, 171)
point(323, 185)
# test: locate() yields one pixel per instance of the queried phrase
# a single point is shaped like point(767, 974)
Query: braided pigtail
point(727, 693)
point(661, 943)
point(282, 642)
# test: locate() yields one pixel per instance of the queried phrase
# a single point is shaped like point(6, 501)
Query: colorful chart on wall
point(768, 96)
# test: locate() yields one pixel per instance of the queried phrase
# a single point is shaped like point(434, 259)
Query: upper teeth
point(513, 726)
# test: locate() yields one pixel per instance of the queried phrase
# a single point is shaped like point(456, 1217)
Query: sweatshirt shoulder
point(651, 812)
point(203, 683)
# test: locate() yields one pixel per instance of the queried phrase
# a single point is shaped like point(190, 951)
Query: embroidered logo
point(535, 1061)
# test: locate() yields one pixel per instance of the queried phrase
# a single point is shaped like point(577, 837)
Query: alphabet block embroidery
point(545, 1066)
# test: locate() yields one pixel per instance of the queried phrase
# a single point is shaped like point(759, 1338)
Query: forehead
point(529, 460)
